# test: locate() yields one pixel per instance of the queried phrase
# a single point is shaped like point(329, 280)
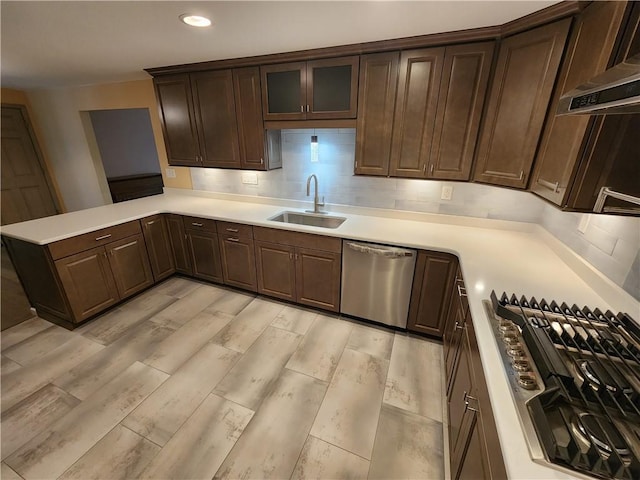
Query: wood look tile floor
point(190, 380)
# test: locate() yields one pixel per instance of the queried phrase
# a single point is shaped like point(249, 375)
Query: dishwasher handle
point(381, 251)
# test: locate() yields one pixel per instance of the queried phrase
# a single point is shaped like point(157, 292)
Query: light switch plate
point(171, 172)
point(250, 178)
point(447, 192)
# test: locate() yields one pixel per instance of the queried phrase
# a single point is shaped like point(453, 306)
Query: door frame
point(48, 177)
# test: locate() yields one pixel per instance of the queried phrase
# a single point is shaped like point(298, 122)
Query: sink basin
point(311, 219)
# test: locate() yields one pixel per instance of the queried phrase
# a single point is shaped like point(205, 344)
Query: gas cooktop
point(575, 379)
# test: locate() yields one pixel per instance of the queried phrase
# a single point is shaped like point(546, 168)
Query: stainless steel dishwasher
point(376, 282)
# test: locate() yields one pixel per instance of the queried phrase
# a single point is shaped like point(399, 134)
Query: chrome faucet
point(316, 202)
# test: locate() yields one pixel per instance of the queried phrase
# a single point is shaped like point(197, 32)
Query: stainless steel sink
point(311, 219)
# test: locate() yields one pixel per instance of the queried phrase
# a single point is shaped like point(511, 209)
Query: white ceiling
point(56, 44)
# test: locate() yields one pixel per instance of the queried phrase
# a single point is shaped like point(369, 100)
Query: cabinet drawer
point(80, 243)
point(297, 239)
point(235, 229)
point(197, 223)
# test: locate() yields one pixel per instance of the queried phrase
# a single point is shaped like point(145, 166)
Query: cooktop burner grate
point(588, 415)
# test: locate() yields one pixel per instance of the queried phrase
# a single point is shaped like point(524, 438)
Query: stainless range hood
point(615, 91)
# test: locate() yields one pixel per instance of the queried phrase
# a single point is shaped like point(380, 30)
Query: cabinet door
point(431, 294)
point(178, 120)
point(130, 265)
point(318, 278)
point(522, 84)
point(588, 54)
point(238, 261)
point(216, 118)
point(415, 112)
point(461, 418)
point(204, 253)
point(461, 97)
point(246, 88)
point(156, 237)
point(283, 91)
point(276, 270)
point(376, 98)
point(332, 88)
point(178, 239)
point(88, 282)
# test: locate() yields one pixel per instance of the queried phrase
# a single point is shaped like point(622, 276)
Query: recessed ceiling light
point(195, 20)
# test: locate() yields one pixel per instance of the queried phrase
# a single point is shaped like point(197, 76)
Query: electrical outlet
point(250, 178)
point(447, 192)
point(171, 172)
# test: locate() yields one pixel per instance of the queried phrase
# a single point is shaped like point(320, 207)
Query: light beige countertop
point(514, 257)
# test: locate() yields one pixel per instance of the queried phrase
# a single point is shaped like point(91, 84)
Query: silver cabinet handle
point(431, 168)
point(307, 108)
point(301, 108)
point(607, 192)
point(103, 237)
point(196, 224)
point(521, 175)
point(458, 326)
point(468, 397)
point(460, 291)
point(233, 230)
point(549, 185)
point(231, 239)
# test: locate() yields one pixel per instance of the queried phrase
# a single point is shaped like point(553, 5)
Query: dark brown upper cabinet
point(319, 89)
point(415, 111)
point(377, 93)
point(463, 89)
point(580, 154)
point(214, 119)
point(522, 85)
point(173, 93)
point(215, 113)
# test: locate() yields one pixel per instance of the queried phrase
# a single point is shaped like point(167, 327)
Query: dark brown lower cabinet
point(318, 278)
point(88, 282)
point(238, 261)
point(178, 239)
point(156, 237)
point(204, 255)
point(474, 445)
point(100, 277)
point(458, 311)
point(431, 294)
point(276, 270)
point(130, 265)
point(289, 269)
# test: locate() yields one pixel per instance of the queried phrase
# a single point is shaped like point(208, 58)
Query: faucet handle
point(321, 204)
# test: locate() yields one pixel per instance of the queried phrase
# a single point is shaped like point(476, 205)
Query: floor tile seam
point(427, 417)
point(341, 448)
point(21, 342)
point(33, 360)
point(14, 361)
point(305, 374)
point(8, 466)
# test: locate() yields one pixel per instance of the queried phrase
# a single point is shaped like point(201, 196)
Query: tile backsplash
point(609, 243)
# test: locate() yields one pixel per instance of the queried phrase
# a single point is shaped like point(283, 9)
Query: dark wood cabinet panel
point(204, 253)
point(251, 133)
point(238, 261)
point(433, 283)
point(178, 239)
point(283, 91)
point(473, 439)
point(456, 318)
point(173, 93)
point(276, 270)
point(319, 89)
point(332, 88)
point(318, 278)
point(290, 271)
point(415, 111)
point(130, 265)
point(463, 88)
point(589, 53)
point(215, 111)
point(376, 100)
point(88, 282)
point(156, 237)
point(519, 96)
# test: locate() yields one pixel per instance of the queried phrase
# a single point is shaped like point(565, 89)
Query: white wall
point(610, 243)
